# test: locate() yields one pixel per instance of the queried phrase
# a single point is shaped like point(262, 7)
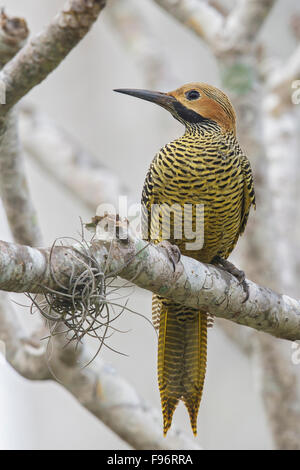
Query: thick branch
point(24, 269)
point(45, 51)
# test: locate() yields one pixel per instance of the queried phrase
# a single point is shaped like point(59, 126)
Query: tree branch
point(24, 269)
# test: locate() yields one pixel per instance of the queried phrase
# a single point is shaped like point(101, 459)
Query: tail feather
point(195, 367)
point(192, 403)
point(168, 407)
point(181, 359)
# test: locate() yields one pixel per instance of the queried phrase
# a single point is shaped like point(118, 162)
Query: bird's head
point(192, 104)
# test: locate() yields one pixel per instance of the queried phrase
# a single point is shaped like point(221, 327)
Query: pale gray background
point(125, 134)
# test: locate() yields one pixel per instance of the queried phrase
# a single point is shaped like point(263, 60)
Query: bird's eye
point(192, 95)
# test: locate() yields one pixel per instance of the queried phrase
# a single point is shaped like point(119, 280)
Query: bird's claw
point(245, 289)
point(237, 273)
point(173, 252)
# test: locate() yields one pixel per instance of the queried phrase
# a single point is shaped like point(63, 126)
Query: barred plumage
point(204, 166)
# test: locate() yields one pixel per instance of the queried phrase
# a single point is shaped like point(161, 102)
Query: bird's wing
point(249, 194)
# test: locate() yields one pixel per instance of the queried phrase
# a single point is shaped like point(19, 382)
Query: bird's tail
point(182, 351)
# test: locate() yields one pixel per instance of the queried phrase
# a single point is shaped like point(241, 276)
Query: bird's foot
point(173, 252)
point(237, 273)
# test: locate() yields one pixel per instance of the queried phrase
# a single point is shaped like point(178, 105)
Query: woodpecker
point(204, 168)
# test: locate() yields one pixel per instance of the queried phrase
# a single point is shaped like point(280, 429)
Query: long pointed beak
point(162, 99)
